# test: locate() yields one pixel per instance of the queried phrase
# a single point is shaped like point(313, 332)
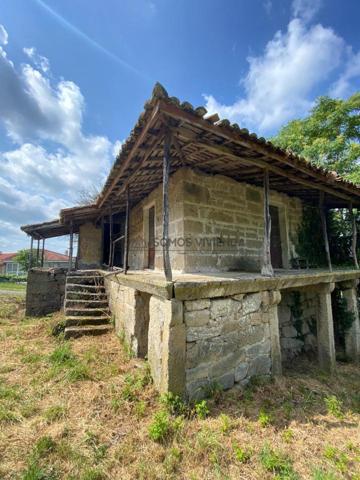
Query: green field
point(12, 286)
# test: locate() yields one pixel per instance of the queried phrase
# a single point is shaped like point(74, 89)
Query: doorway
point(151, 238)
point(275, 238)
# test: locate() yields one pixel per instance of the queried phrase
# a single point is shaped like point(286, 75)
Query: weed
point(337, 457)
point(35, 472)
point(92, 474)
point(226, 423)
point(7, 415)
point(140, 408)
point(56, 412)
point(43, 447)
point(62, 355)
point(172, 460)
point(174, 404)
point(334, 406)
point(320, 474)
point(212, 390)
point(287, 435)
point(242, 455)
point(277, 463)
point(32, 358)
point(162, 426)
point(202, 409)
point(126, 346)
point(264, 418)
point(64, 360)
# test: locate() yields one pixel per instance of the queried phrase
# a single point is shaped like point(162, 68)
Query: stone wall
point(228, 340)
point(216, 222)
point(45, 291)
point(90, 243)
point(130, 309)
point(297, 321)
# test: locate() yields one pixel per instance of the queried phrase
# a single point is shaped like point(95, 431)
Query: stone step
point(88, 302)
point(71, 286)
point(79, 273)
point(84, 295)
point(94, 312)
point(79, 331)
point(76, 321)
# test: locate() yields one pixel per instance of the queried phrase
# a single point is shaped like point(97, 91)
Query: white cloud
point(344, 86)
point(267, 4)
point(306, 9)
point(279, 83)
point(3, 35)
point(52, 160)
point(39, 61)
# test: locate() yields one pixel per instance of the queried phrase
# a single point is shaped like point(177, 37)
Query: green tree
point(328, 137)
point(23, 258)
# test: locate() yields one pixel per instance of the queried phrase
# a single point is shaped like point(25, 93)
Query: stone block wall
point(297, 313)
point(217, 224)
point(90, 244)
point(228, 340)
point(45, 291)
point(130, 309)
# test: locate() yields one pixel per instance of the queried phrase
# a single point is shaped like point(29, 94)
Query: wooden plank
point(42, 252)
point(71, 243)
point(31, 251)
point(166, 170)
point(354, 236)
point(126, 240)
point(266, 269)
point(175, 112)
point(134, 149)
point(324, 229)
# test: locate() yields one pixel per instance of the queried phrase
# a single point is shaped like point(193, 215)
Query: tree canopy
point(329, 136)
point(23, 258)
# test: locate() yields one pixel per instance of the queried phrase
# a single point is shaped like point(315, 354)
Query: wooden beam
point(166, 170)
point(124, 165)
point(354, 236)
point(42, 252)
point(175, 112)
point(38, 252)
point(111, 237)
point(324, 229)
point(31, 251)
point(71, 243)
point(266, 269)
point(126, 240)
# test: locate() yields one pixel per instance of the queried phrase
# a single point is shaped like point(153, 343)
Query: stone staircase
point(86, 305)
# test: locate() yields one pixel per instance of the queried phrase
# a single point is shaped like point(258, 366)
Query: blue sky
point(74, 75)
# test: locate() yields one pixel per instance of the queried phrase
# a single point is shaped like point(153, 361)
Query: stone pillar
point(325, 328)
point(276, 362)
point(167, 345)
point(352, 338)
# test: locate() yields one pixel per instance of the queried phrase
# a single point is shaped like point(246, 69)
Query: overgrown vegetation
point(110, 423)
point(343, 317)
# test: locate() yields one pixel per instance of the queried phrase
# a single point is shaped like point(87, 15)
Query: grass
point(21, 287)
point(86, 409)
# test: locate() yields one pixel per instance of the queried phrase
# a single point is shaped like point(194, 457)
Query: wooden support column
point(324, 229)
point(42, 252)
point(354, 236)
point(38, 252)
point(166, 172)
point(71, 243)
point(126, 239)
point(102, 239)
point(111, 238)
point(31, 252)
point(266, 269)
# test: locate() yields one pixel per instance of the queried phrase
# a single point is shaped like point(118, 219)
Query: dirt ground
point(84, 409)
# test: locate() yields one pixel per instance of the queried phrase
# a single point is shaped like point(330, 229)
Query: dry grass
point(82, 410)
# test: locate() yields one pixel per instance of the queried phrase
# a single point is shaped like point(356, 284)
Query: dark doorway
point(275, 240)
point(151, 238)
point(118, 231)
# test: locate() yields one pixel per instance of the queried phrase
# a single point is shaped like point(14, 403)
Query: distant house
point(9, 265)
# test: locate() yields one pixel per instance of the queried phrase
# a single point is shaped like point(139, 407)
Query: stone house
point(9, 265)
point(194, 235)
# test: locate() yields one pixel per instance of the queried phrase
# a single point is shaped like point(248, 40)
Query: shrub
point(277, 463)
point(334, 406)
point(242, 455)
point(174, 404)
point(264, 418)
point(162, 427)
point(201, 409)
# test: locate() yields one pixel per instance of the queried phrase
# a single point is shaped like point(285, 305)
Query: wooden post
point(111, 238)
point(31, 252)
point(71, 247)
point(126, 239)
point(38, 252)
point(42, 252)
point(102, 239)
point(166, 171)
point(324, 229)
point(354, 236)
point(266, 269)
